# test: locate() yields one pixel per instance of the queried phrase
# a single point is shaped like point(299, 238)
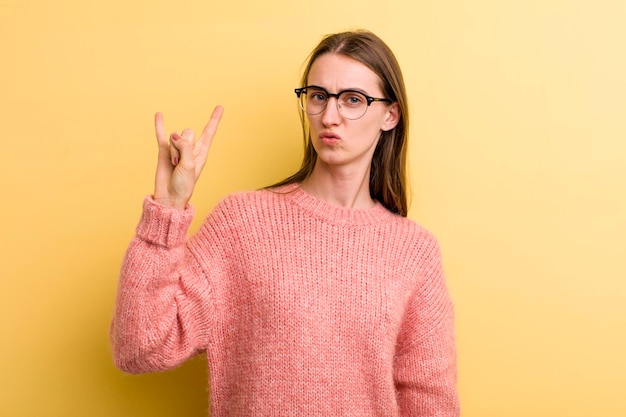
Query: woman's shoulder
point(258, 195)
point(243, 203)
point(414, 236)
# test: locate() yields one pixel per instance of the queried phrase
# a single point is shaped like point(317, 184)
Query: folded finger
point(175, 141)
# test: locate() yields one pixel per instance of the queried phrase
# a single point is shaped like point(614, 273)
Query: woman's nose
point(331, 114)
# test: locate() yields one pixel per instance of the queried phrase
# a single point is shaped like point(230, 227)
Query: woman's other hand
point(180, 160)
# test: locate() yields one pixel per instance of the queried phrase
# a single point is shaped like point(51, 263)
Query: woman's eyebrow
point(356, 89)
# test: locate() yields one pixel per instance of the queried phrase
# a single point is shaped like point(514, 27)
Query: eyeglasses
point(352, 104)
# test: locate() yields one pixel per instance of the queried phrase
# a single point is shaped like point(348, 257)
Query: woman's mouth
point(329, 138)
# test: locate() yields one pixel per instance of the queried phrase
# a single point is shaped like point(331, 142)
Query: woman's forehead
point(338, 72)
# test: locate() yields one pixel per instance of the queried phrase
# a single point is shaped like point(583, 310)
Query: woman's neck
point(340, 188)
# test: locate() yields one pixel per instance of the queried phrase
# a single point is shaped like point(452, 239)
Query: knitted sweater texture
point(302, 308)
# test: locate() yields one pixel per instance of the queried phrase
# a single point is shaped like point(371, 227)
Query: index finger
point(211, 127)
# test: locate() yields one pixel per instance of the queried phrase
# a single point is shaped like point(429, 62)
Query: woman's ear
point(392, 118)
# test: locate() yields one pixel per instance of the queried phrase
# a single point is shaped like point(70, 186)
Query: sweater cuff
point(164, 226)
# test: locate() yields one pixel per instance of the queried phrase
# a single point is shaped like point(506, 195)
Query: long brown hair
point(388, 171)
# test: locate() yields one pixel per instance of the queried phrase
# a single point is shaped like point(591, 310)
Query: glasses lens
point(313, 100)
point(352, 104)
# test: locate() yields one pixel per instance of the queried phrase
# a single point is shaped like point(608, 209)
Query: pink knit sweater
point(302, 308)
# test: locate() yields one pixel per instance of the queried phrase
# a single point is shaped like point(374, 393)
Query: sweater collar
point(327, 212)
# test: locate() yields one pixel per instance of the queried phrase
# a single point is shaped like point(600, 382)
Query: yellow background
point(518, 163)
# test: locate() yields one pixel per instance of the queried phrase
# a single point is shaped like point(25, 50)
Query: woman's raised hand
point(181, 160)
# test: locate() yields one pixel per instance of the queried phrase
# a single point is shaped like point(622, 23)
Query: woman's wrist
point(174, 203)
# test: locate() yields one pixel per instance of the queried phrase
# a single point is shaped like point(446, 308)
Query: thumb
point(183, 144)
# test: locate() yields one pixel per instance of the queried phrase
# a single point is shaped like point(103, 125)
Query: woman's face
point(337, 140)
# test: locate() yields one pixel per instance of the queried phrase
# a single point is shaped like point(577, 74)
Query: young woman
point(313, 297)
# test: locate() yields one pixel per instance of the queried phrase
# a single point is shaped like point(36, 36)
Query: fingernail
point(175, 136)
point(175, 161)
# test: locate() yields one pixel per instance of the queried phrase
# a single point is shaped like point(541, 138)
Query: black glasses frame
point(370, 99)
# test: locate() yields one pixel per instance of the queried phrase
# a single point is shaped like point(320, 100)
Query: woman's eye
point(317, 96)
point(354, 99)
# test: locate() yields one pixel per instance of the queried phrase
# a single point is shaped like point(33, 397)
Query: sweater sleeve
point(163, 307)
point(425, 370)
